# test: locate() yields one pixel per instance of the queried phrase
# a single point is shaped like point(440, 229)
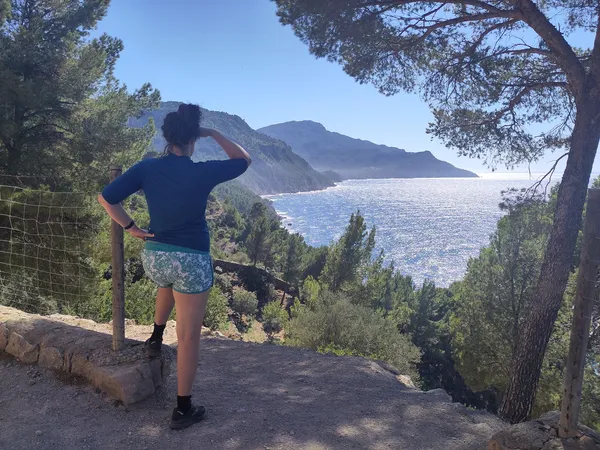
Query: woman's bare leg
point(190, 314)
point(164, 305)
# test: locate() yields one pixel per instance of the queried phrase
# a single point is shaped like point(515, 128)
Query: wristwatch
point(132, 223)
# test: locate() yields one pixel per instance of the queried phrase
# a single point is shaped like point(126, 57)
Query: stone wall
point(128, 375)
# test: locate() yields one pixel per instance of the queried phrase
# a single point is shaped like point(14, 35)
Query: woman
point(176, 255)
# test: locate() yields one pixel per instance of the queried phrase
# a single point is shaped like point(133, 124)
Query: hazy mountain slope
point(355, 158)
point(275, 168)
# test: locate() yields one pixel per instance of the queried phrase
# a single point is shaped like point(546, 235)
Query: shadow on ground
point(256, 396)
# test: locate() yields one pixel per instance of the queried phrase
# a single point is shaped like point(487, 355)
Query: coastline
point(498, 176)
point(270, 196)
point(428, 227)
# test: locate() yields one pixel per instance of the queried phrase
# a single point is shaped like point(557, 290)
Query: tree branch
point(526, 90)
point(567, 58)
point(429, 26)
point(523, 51)
point(487, 32)
point(57, 110)
point(429, 29)
point(527, 51)
point(533, 189)
point(595, 57)
point(27, 131)
point(476, 3)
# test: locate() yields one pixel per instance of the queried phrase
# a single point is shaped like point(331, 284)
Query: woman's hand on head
point(206, 132)
point(139, 233)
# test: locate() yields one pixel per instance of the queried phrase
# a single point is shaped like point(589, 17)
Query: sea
point(429, 227)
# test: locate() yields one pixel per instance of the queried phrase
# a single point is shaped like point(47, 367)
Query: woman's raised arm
point(233, 150)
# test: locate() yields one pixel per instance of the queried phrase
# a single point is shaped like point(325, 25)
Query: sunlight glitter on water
point(428, 227)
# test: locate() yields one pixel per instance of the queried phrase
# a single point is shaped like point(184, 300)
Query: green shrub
point(14, 292)
point(244, 302)
point(274, 317)
point(140, 301)
point(223, 282)
point(239, 257)
point(335, 325)
point(296, 308)
point(216, 310)
point(271, 293)
point(310, 291)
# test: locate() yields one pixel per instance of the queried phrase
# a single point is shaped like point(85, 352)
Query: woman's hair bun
point(183, 126)
point(190, 113)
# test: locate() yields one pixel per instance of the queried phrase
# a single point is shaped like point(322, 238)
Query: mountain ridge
point(353, 158)
point(321, 127)
point(275, 169)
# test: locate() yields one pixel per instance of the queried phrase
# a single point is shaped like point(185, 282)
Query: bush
point(239, 257)
point(271, 293)
point(140, 301)
point(309, 291)
point(274, 318)
point(14, 292)
point(244, 302)
point(216, 310)
point(223, 282)
point(335, 325)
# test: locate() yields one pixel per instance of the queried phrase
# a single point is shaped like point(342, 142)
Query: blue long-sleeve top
point(176, 190)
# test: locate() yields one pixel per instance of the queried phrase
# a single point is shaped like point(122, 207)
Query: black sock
point(184, 403)
point(157, 334)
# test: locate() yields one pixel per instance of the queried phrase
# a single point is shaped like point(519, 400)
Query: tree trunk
point(14, 159)
point(582, 318)
point(283, 297)
point(537, 328)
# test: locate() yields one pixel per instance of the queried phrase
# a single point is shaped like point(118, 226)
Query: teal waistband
point(161, 247)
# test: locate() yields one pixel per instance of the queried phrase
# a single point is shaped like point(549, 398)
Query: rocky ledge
point(542, 434)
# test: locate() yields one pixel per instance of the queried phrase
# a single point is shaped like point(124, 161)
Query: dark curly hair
point(182, 126)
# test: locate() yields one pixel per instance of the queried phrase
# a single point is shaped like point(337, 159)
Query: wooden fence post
point(118, 277)
point(582, 315)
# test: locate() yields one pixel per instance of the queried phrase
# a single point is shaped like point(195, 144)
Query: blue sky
point(234, 56)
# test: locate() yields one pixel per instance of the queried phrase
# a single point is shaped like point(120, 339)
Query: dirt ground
point(256, 396)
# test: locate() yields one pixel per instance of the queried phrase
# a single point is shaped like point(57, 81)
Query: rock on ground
point(541, 434)
point(256, 396)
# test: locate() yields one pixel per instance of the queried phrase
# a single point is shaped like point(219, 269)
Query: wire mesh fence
point(45, 247)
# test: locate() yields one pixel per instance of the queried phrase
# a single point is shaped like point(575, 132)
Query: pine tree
point(490, 70)
point(62, 112)
point(292, 269)
point(258, 239)
point(352, 251)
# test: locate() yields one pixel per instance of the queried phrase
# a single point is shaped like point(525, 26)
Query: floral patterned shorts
point(185, 270)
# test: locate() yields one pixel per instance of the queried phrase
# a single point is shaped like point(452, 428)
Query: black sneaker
point(153, 348)
point(181, 420)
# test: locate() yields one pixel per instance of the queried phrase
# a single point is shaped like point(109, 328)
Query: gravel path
point(256, 396)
